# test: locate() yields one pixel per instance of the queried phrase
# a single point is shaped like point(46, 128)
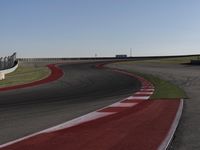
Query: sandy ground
point(187, 77)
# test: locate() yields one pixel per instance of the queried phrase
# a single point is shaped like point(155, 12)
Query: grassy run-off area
point(164, 89)
point(25, 75)
point(175, 60)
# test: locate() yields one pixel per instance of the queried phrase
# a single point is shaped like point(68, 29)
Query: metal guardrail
point(8, 62)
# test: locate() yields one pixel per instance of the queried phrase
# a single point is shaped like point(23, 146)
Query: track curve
point(55, 74)
point(82, 89)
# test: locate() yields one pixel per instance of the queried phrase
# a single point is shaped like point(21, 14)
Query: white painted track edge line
point(80, 120)
point(44, 131)
point(166, 142)
point(120, 104)
point(138, 97)
point(60, 126)
point(150, 93)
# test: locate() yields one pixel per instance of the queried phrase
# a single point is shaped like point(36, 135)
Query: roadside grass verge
point(163, 88)
point(24, 75)
point(176, 60)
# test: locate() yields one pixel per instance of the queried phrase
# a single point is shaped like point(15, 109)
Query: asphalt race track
point(187, 77)
point(82, 89)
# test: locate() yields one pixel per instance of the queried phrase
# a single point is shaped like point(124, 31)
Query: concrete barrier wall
point(2, 76)
point(7, 71)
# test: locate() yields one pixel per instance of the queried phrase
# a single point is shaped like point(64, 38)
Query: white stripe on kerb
point(139, 97)
point(79, 120)
point(123, 104)
point(88, 117)
point(150, 93)
point(165, 143)
point(149, 90)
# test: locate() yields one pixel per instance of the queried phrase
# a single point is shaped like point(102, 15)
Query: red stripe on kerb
point(56, 73)
point(142, 128)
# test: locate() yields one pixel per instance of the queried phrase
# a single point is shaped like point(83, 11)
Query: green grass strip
point(24, 75)
point(163, 88)
point(176, 60)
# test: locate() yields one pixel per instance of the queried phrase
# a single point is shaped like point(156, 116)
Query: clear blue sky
point(79, 28)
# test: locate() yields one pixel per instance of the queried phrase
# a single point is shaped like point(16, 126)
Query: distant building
point(121, 56)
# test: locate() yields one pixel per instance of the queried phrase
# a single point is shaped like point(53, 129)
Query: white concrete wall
point(2, 76)
point(7, 71)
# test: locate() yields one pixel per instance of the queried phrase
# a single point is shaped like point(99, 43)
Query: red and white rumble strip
point(115, 127)
point(131, 101)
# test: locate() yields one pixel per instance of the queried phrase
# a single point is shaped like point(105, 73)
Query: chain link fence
point(8, 62)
